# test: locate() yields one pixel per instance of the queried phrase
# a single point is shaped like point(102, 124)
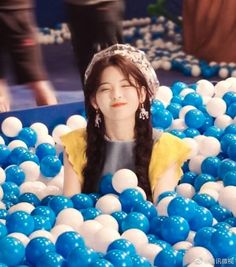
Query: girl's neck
point(120, 130)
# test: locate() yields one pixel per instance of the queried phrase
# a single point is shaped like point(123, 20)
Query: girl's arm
point(167, 182)
point(72, 183)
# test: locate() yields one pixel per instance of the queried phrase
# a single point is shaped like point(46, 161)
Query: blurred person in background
point(18, 37)
point(94, 25)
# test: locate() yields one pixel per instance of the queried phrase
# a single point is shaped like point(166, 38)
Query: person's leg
point(27, 58)
point(4, 97)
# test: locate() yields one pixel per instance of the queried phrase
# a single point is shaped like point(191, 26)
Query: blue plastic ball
point(37, 247)
point(101, 263)
point(231, 110)
point(230, 129)
point(204, 200)
point(188, 177)
point(41, 223)
point(223, 243)
point(50, 259)
point(202, 218)
point(123, 245)
point(226, 165)
point(3, 230)
point(146, 208)
point(81, 256)
point(58, 203)
point(15, 174)
point(222, 225)
point(46, 212)
point(30, 198)
point(166, 194)
point(90, 213)
point(162, 119)
point(177, 87)
point(82, 201)
point(28, 136)
point(201, 179)
point(194, 118)
point(231, 221)
point(191, 132)
point(230, 178)
point(17, 154)
point(119, 216)
point(3, 213)
point(229, 98)
point(155, 225)
point(210, 166)
point(156, 105)
point(50, 166)
point(181, 206)
point(21, 222)
point(208, 123)
point(67, 241)
point(177, 99)
point(139, 261)
point(105, 186)
point(220, 213)
point(193, 99)
point(10, 189)
point(178, 133)
point(4, 155)
point(203, 237)
point(129, 198)
point(12, 251)
point(118, 258)
point(174, 109)
point(136, 220)
point(166, 258)
point(44, 150)
point(28, 156)
point(174, 229)
point(231, 151)
point(226, 140)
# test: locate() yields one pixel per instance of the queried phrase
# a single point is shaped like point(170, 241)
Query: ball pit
point(191, 226)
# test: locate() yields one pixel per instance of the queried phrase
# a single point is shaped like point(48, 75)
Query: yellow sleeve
point(168, 150)
point(75, 145)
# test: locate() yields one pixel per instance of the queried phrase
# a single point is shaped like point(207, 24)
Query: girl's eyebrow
point(123, 80)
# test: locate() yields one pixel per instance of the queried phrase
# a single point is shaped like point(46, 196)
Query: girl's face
point(116, 98)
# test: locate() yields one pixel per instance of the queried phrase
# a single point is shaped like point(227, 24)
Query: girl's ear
point(93, 102)
point(143, 94)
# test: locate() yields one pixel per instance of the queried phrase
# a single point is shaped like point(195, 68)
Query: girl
point(119, 86)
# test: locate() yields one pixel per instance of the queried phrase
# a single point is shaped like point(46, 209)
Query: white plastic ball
point(23, 238)
point(212, 185)
point(107, 220)
point(142, 192)
point(223, 73)
point(2, 176)
point(42, 233)
point(124, 179)
point(196, 71)
point(185, 190)
point(32, 187)
point(178, 124)
point(227, 198)
point(70, 217)
point(199, 263)
point(2, 205)
point(57, 181)
point(162, 206)
point(211, 192)
point(193, 144)
point(42, 138)
point(190, 237)
point(195, 163)
point(206, 99)
point(16, 143)
point(186, 91)
point(200, 253)
point(205, 88)
point(137, 237)
point(11, 126)
point(59, 131)
point(50, 190)
point(164, 94)
point(60, 229)
point(150, 251)
point(108, 204)
point(2, 142)
point(182, 245)
point(22, 206)
point(209, 146)
point(104, 237)
point(221, 88)
point(199, 138)
point(223, 121)
point(216, 107)
point(88, 229)
point(39, 128)
point(1, 193)
point(31, 170)
point(76, 122)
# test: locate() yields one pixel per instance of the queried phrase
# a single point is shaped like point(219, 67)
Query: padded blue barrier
point(49, 115)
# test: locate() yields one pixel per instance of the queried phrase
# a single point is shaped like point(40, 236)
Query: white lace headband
point(136, 56)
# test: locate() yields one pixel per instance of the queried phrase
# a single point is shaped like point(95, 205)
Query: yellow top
point(168, 150)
